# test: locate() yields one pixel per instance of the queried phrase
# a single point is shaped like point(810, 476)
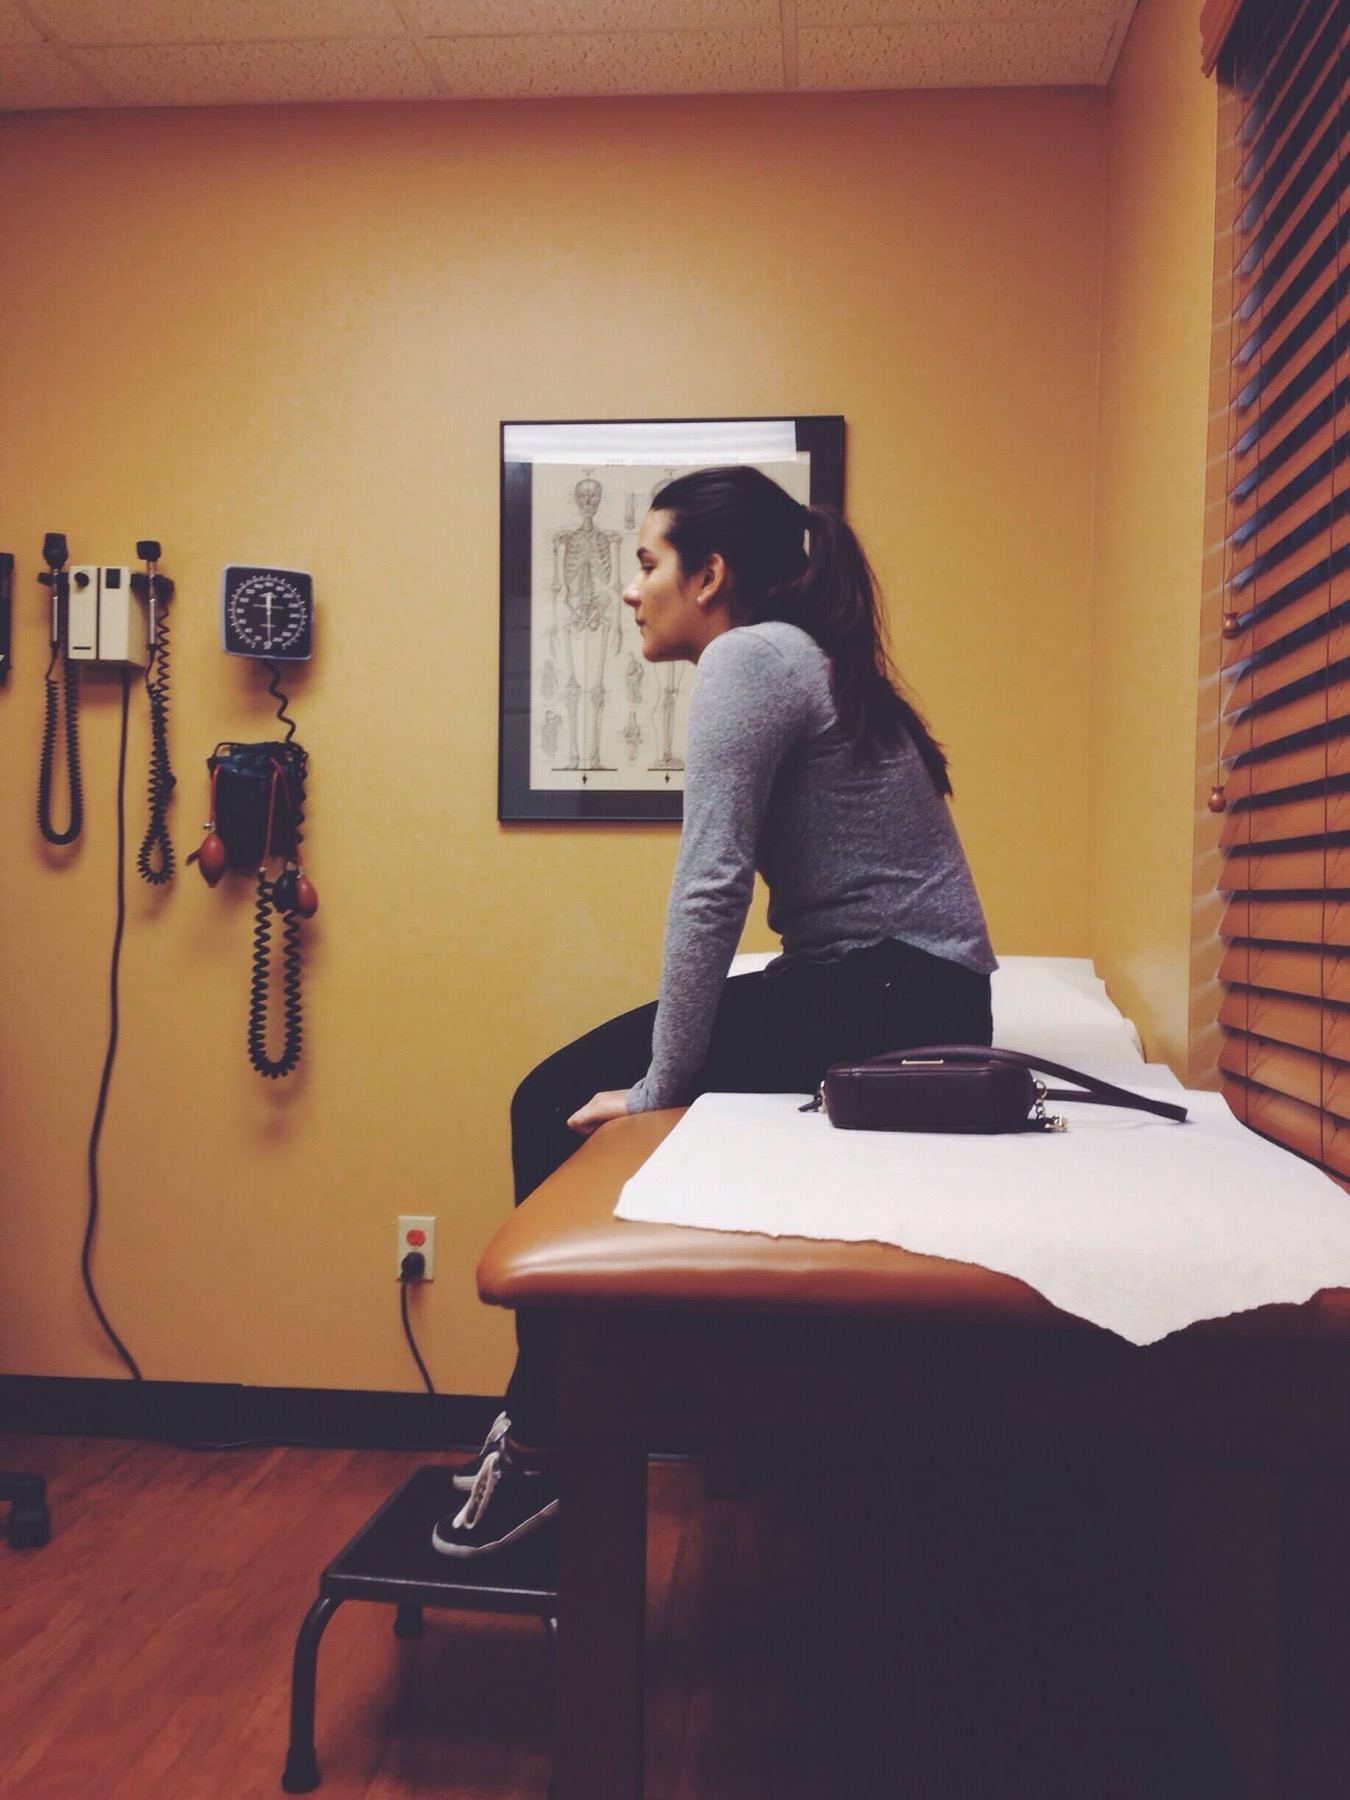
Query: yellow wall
point(1150, 520)
point(290, 335)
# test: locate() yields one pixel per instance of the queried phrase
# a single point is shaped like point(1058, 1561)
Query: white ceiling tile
point(262, 74)
point(216, 21)
point(726, 62)
point(955, 56)
point(37, 78)
point(568, 18)
point(15, 28)
point(242, 52)
point(822, 14)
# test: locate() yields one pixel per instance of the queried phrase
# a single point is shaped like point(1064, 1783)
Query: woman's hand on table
point(599, 1110)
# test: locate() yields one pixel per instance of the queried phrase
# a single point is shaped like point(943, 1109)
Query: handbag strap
point(1097, 1091)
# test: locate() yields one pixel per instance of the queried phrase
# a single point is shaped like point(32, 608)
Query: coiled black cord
point(283, 700)
point(71, 685)
point(264, 907)
point(154, 861)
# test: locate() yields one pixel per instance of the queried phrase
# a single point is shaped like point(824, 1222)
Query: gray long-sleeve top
point(851, 851)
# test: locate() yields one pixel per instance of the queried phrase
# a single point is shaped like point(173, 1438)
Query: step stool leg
point(302, 1766)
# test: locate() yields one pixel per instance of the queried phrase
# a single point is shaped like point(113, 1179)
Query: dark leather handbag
point(963, 1087)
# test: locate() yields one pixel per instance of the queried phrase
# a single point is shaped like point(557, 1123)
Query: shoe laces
point(481, 1492)
point(496, 1431)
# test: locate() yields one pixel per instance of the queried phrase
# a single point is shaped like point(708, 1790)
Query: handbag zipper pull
point(817, 1101)
point(1042, 1120)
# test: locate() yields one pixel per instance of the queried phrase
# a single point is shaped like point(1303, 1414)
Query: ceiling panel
point(270, 74)
point(15, 29)
point(819, 13)
point(77, 53)
point(956, 54)
point(561, 18)
point(214, 21)
point(685, 62)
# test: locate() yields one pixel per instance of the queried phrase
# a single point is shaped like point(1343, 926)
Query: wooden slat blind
point(1284, 73)
point(1216, 20)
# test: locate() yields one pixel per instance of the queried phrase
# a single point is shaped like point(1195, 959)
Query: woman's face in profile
point(663, 598)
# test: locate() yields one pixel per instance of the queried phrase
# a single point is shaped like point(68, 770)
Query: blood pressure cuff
point(258, 800)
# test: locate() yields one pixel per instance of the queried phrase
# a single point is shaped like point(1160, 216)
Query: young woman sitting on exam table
point(806, 762)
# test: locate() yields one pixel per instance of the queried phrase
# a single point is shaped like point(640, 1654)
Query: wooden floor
point(803, 1644)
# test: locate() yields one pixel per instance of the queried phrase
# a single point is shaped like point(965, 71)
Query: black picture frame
point(566, 556)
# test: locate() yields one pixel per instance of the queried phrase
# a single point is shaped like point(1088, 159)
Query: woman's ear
point(715, 581)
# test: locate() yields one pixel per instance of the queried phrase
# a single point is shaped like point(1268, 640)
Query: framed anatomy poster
point(588, 729)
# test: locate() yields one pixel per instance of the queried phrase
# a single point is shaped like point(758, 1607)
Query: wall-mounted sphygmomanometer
point(111, 614)
point(268, 613)
point(258, 797)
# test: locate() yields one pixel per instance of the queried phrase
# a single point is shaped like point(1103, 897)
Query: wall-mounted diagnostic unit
point(107, 620)
point(105, 613)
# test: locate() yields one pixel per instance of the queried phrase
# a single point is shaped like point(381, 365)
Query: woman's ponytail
point(835, 600)
point(804, 565)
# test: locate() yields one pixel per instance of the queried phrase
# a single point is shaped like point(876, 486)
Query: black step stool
point(391, 1560)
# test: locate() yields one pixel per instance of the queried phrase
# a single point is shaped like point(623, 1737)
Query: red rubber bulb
point(213, 858)
point(306, 897)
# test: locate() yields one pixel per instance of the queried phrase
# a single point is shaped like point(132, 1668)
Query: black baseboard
point(228, 1414)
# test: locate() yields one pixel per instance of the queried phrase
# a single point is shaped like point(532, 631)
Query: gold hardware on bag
point(1047, 1121)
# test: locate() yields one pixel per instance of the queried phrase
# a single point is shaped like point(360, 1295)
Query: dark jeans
point(776, 1032)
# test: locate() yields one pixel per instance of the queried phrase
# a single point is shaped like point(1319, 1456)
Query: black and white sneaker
point(496, 1437)
point(505, 1505)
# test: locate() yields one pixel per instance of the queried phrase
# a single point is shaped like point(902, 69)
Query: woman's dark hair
point(828, 590)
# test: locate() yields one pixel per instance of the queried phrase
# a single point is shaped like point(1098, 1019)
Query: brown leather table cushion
point(564, 1244)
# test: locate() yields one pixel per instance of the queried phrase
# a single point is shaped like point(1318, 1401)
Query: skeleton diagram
point(668, 690)
point(632, 731)
point(587, 622)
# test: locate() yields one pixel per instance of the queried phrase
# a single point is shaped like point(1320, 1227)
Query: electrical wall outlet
point(417, 1234)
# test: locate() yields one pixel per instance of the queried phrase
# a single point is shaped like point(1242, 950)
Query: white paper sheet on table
point(1134, 1223)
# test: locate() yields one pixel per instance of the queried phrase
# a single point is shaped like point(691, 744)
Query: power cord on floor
point(411, 1269)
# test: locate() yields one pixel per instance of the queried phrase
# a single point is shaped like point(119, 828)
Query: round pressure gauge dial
point(268, 613)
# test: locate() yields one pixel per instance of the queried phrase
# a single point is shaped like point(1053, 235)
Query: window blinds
point(1283, 285)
